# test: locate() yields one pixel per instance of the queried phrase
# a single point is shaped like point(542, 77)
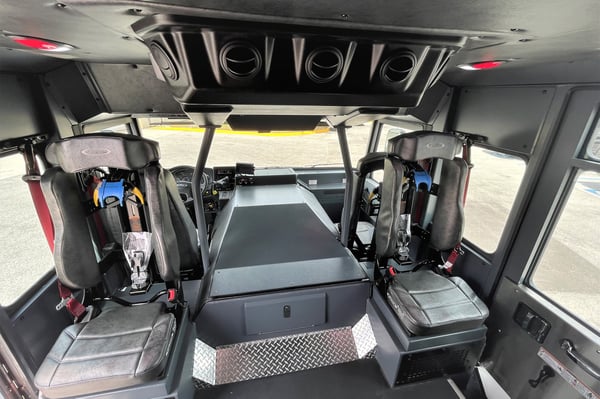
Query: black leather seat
point(429, 304)
point(426, 303)
point(123, 346)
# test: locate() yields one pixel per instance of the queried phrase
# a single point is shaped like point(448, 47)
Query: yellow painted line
point(319, 130)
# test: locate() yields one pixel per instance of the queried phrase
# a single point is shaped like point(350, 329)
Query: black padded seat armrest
point(427, 303)
point(121, 151)
point(386, 229)
point(449, 217)
point(122, 347)
point(164, 239)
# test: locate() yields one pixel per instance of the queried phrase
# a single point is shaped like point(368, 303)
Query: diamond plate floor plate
point(282, 355)
point(204, 362)
point(364, 337)
point(258, 359)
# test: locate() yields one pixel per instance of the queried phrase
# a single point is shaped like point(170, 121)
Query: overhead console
point(218, 68)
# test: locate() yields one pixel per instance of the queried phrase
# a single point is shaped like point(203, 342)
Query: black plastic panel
point(208, 61)
point(263, 235)
point(285, 314)
point(531, 322)
point(223, 321)
point(23, 109)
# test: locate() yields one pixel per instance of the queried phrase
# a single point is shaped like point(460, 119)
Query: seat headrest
point(423, 145)
point(122, 151)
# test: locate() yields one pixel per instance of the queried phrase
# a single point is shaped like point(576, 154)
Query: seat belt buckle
point(172, 295)
point(63, 302)
point(449, 264)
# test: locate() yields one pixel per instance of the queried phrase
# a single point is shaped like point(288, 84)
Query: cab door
point(544, 326)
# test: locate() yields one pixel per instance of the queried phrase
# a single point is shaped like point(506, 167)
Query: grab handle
point(584, 363)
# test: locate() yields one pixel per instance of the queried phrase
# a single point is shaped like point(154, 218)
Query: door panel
point(35, 325)
point(38, 323)
point(512, 355)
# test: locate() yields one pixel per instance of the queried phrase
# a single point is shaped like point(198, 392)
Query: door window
point(568, 271)
point(24, 253)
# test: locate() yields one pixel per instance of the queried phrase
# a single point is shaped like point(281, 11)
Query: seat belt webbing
point(32, 178)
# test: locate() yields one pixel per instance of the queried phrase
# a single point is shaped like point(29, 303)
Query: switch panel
point(531, 322)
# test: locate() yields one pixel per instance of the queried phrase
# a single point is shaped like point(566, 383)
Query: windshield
point(180, 144)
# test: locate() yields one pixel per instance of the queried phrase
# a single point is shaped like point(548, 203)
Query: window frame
point(577, 168)
point(578, 164)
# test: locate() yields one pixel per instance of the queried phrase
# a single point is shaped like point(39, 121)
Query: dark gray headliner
point(556, 31)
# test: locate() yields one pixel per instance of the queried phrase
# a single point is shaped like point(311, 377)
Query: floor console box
point(404, 358)
point(269, 238)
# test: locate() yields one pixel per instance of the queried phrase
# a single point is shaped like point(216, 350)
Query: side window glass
point(568, 271)
point(24, 253)
point(494, 182)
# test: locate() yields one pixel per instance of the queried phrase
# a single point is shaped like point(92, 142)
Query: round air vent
point(163, 61)
point(240, 61)
point(324, 64)
point(397, 68)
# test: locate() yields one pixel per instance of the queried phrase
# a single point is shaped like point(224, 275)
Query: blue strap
point(422, 177)
point(112, 189)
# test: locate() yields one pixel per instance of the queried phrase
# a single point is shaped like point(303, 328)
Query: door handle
point(581, 361)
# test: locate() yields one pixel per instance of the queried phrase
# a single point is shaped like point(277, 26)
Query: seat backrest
point(446, 229)
point(74, 254)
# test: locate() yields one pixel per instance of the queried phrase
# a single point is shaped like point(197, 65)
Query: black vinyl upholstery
point(164, 240)
point(390, 209)
point(185, 230)
point(119, 151)
point(449, 217)
point(427, 303)
point(423, 145)
point(123, 346)
point(74, 256)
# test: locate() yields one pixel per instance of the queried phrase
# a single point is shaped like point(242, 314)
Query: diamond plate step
point(282, 355)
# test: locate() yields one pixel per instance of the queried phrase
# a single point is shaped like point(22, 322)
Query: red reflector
point(487, 64)
point(40, 44)
point(478, 66)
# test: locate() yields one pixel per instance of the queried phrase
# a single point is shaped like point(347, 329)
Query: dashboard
point(217, 184)
point(183, 177)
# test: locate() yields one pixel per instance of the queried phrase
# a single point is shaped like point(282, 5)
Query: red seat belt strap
point(32, 178)
point(74, 307)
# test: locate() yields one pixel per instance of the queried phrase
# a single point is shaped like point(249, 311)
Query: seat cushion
point(121, 347)
point(428, 303)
